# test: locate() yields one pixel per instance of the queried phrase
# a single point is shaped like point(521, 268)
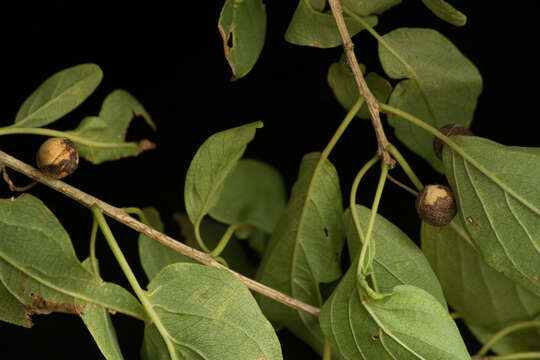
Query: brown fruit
point(435, 205)
point(449, 130)
point(57, 157)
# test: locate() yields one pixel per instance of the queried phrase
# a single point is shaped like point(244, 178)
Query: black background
point(169, 56)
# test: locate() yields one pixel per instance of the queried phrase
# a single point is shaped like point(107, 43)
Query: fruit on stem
point(435, 205)
point(57, 157)
point(449, 130)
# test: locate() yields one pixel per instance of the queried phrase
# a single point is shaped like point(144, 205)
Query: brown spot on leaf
point(536, 277)
point(145, 144)
point(375, 337)
point(40, 305)
point(325, 229)
point(470, 220)
point(475, 178)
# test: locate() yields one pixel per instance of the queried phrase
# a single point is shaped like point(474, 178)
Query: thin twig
point(10, 183)
point(402, 185)
point(121, 216)
point(371, 102)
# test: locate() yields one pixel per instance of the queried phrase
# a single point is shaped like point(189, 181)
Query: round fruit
point(435, 205)
point(57, 157)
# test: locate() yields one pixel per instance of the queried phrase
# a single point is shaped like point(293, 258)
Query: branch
point(121, 216)
point(371, 102)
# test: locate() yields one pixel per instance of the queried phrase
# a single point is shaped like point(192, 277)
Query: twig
point(121, 216)
point(10, 183)
point(371, 102)
point(402, 185)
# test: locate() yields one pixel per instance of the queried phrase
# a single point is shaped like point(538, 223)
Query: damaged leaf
point(39, 267)
point(242, 25)
point(102, 138)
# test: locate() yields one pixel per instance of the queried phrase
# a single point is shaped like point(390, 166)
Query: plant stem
point(352, 197)
point(136, 211)
point(371, 102)
point(141, 294)
point(93, 234)
point(363, 268)
point(327, 350)
point(403, 186)
point(121, 216)
point(341, 129)
point(503, 332)
point(197, 231)
point(222, 244)
point(405, 165)
point(456, 148)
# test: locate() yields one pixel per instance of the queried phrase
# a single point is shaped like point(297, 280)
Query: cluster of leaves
point(485, 264)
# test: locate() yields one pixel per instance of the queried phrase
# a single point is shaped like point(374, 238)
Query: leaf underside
point(500, 205)
point(441, 86)
point(446, 12)
point(305, 247)
point(51, 279)
point(208, 314)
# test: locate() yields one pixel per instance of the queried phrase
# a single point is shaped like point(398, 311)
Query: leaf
point(236, 256)
point(98, 321)
point(153, 255)
point(51, 279)
point(242, 24)
point(102, 138)
point(398, 261)
point(409, 324)
point(12, 310)
point(441, 85)
point(305, 247)
point(311, 27)
point(58, 95)
point(523, 340)
point(212, 164)
point(253, 193)
point(446, 12)
point(500, 205)
point(209, 314)
point(368, 7)
point(341, 80)
point(485, 299)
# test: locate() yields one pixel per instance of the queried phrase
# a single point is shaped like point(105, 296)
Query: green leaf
point(441, 85)
point(398, 261)
point(209, 314)
point(254, 194)
point(305, 247)
point(523, 340)
point(446, 12)
point(38, 264)
point(153, 255)
point(341, 80)
point(242, 25)
point(12, 310)
point(236, 256)
point(58, 95)
point(214, 161)
point(500, 204)
point(368, 7)
point(485, 299)
point(98, 321)
point(409, 324)
point(102, 138)
point(311, 27)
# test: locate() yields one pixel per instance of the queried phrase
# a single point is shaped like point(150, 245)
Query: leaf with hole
point(499, 203)
point(215, 160)
point(446, 12)
point(409, 324)
point(440, 86)
point(484, 298)
point(305, 247)
point(342, 82)
point(98, 321)
point(51, 279)
point(208, 314)
point(58, 95)
point(398, 261)
point(102, 138)
point(242, 25)
point(311, 26)
point(253, 194)
point(235, 254)
point(153, 255)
